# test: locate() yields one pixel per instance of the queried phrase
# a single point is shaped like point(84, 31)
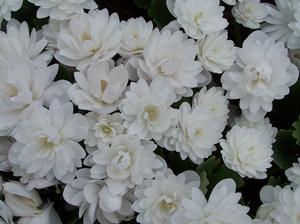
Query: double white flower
point(171, 56)
point(89, 38)
point(100, 88)
point(199, 128)
point(147, 109)
point(95, 200)
point(126, 162)
point(62, 9)
point(199, 17)
point(47, 143)
point(262, 73)
point(247, 151)
point(222, 206)
point(159, 198)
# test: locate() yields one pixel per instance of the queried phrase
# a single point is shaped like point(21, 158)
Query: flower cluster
point(136, 97)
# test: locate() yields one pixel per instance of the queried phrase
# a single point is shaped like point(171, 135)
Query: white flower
point(137, 34)
point(295, 57)
point(196, 133)
point(48, 215)
point(22, 202)
point(6, 216)
point(47, 144)
point(214, 100)
point(200, 17)
point(247, 151)
point(264, 125)
point(147, 109)
point(293, 174)
point(100, 88)
point(103, 128)
point(231, 2)
point(269, 197)
point(159, 198)
point(216, 53)
point(94, 199)
point(18, 42)
point(51, 31)
point(23, 86)
point(283, 22)
point(262, 73)
point(127, 162)
point(89, 38)
point(8, 6)
point(62, 9)
point(287, 209)
point(5, 144)
point(222, 206)
point(172, 56)
point(250, 13)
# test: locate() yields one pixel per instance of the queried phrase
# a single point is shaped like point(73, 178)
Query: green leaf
point(160, 13)
point(296, 132)
point(216, 171)
point(204, 182)
point(274, 181)
point(285, 149)
point(143, 4)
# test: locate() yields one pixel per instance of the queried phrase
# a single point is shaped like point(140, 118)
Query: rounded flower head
point(172, 56)
point(200, 17)
point(287, 208)
point(147, 109)
point(46, 144)
point(103, 128)
point(89, 38)
point(62, 9)
point(283, 22)
point(95, 200)
point(247, 151)
point(23, 86)
point(214, 100)
point(137, 34)
point(216, 53)
point(250, 13)
point(269, 197)
point(293, 174)
point(262, 125)
point(100, 88)
point(22, 202)
point(159, 198)
point(126, 162)
point(18, 43)
point(8, 6)
point(231, 2)
point(262, 73)
point(222, 207)
point(196, 133)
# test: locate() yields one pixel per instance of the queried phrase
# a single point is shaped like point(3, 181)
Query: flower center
point(167, 67)
point(86, 36)
point(121, 161)
point(151, 113)
point(168, 203)
point(103, 85)
point(199, 132)
point(197, 18)
point(12, 90)
point(258, 76)
point(106, 129)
